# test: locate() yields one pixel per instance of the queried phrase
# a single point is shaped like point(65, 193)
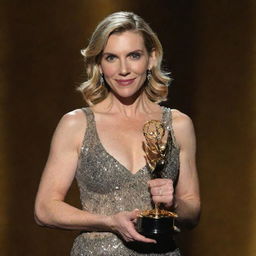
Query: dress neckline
point(111, 156)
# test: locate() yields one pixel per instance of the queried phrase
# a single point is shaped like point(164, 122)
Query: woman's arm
point(185, 198)
point(59, 172)
point(50, 208)
point(186, 195)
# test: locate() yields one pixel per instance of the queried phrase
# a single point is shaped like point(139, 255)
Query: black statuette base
point(155, 227)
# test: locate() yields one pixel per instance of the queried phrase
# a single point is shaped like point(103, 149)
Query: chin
point(128, 94)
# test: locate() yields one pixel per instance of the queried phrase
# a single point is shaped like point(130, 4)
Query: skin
point(119, 120)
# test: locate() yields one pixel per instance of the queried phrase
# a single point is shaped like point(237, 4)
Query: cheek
point(109, 70)
point(140, 68)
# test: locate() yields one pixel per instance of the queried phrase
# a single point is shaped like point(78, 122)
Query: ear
point(100, 69)
point(152, 59)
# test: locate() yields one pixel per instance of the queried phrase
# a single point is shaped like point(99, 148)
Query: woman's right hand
point(122, 223)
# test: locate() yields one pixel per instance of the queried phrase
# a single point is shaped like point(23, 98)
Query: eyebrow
point(109, 53)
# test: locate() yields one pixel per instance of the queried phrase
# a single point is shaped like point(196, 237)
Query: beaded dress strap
point(90, 118)
point(167, 120)
point(90, 133)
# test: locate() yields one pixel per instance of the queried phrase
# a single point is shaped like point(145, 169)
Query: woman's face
point(124, 63)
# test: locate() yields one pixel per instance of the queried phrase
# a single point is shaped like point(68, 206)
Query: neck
point(128, 107)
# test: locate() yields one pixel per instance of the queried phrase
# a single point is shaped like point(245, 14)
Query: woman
point(102, 146)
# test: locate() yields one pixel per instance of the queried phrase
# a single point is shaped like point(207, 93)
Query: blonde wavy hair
point(93, 90)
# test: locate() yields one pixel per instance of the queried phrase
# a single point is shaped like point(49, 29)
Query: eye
point(110, 58)
point(135, 55)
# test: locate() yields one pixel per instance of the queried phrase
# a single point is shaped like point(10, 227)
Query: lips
point(125, 82)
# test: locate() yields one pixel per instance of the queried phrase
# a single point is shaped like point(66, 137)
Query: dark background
point(209, 47)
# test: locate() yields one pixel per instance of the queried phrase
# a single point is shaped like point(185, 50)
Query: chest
point(123, 138)
point(121, 133)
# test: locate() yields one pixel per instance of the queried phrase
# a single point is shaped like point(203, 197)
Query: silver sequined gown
point(107, 187)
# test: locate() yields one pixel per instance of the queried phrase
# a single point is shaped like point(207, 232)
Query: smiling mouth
point(125, 82)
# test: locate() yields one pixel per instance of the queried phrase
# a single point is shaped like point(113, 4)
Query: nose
point(124, 68)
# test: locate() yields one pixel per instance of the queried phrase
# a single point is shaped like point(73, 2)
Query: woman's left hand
point(162, 191)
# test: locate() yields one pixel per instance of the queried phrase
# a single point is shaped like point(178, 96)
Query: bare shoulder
point(73, 119)
point(183, 127)
point(71, 128)
point(180, 119)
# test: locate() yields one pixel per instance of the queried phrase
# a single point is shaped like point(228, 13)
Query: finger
point(161, 191)
point(138, 237)
point(134, 214)
point(157, 199)
point(156, 182)
point(125, 233)
point(163, 199)
point(128, 239)
point(132, 234)
point(159, 182)
point(166, 189)
point(136, 211)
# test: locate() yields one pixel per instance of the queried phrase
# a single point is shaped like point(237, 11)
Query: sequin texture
point(107, 187)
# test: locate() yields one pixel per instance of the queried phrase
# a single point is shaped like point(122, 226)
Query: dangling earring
point(102, 79)
point(149, 75)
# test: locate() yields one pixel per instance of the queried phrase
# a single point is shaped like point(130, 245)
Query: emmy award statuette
point(155, 223)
